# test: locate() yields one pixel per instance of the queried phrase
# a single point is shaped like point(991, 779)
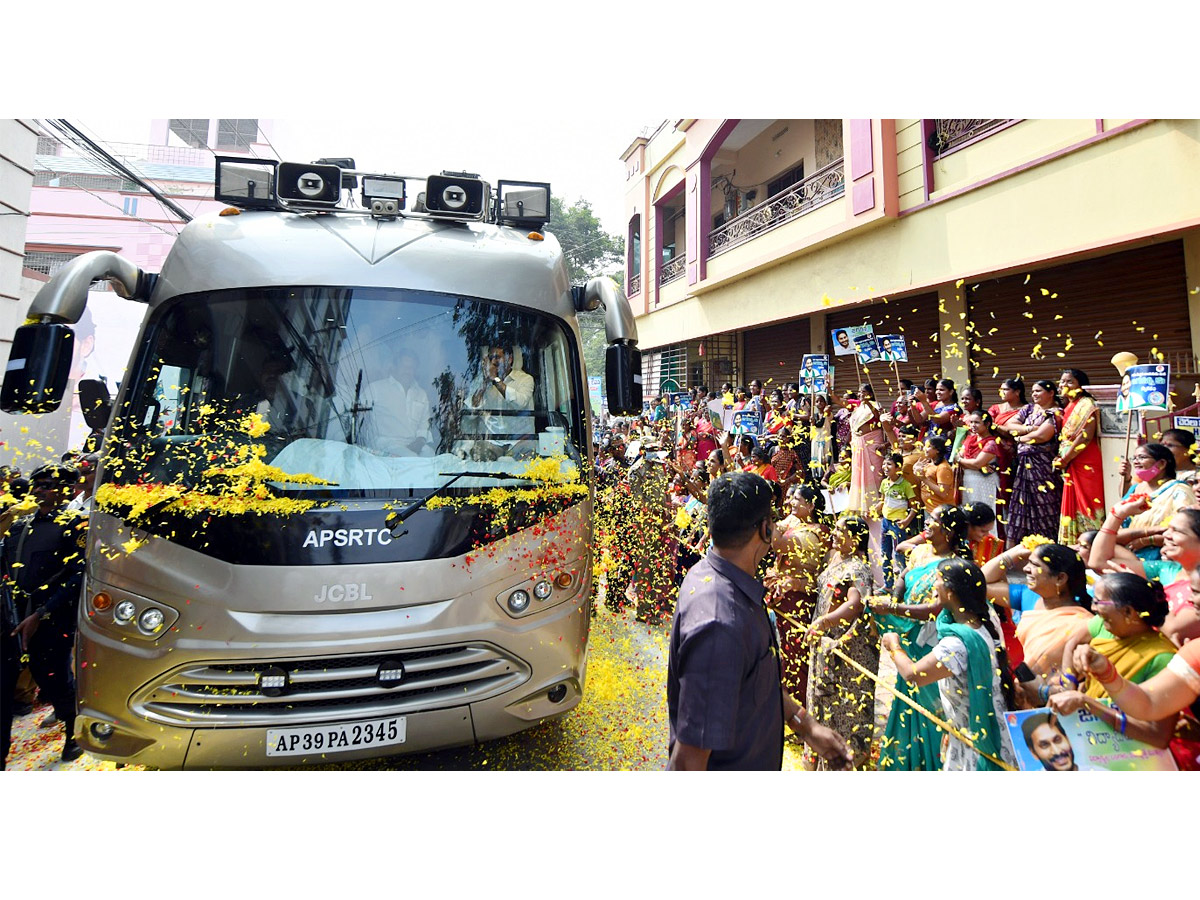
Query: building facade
point(997, 247)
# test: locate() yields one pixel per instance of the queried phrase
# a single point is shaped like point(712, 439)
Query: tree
point(589, 251)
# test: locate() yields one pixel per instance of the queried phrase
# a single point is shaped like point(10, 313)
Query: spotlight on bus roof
point(457, 195)
point(523, 203)
point(246, 183)
point(309, 185)
point(383, 195)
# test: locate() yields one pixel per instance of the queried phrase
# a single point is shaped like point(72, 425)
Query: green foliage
point(589, 251)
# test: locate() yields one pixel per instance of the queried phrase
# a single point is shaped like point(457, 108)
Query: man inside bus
point(505, 388)
point(399, 411)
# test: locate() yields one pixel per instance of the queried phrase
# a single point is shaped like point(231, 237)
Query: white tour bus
point(344, 508)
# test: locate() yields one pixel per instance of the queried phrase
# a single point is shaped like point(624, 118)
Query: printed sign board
point(892, 347)
point(846, 340)
point(1080, 742)
point(1145, 388)
point(815, 373)
point(746, 423)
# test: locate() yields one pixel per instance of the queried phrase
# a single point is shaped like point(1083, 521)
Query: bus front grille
point(318, 690)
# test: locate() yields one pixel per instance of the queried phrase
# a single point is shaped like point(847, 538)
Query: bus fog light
point(151, 620)
point(557, 694)
point(102, 731)
point(518, 601)
point(541, 590)
point(125, 611)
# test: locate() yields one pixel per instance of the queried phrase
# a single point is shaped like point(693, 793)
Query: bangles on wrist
point(1108, 674)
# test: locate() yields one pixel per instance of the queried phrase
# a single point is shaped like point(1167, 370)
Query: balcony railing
point(818, 189)
point(635, 285)
point(949, 134)
point(671, 270)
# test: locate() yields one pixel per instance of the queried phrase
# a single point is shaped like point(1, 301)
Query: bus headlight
point(542, 589)
point(151, 620)
point(125, 611)
point(518, 601)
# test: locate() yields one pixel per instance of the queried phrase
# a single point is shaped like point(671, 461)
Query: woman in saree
point(1047, 608)
point(910, 741)
point(1012, 401)
point(1129, 611)
point(968, 665)
point(1036, 503)
point(801, 544)
point(839, 695)
point(1079, 459)
point(980, 460)
point(1162, 495)
point(868, 443)
point(821, 437)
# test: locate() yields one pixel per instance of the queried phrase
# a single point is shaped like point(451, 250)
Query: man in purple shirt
point(725, 693)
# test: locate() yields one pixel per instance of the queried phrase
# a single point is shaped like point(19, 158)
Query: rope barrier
point(943, 725)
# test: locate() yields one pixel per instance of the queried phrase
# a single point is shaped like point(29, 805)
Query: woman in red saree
point(1080, 460)
point(1012, 401)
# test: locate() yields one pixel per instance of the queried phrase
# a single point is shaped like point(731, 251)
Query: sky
point(580, 159)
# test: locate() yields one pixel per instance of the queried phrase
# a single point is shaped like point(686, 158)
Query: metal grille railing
point(951, 133)
point(671, 270)
point(820, 188)
point(635, 285)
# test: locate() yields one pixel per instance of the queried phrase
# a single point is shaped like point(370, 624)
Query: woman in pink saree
point(868, 443)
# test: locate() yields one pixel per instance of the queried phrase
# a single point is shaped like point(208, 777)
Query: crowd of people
point(43, 522)
point(971, 546)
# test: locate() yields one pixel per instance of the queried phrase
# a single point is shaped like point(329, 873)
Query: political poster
point(1080, 742)
point(892, 347)
point(815, 373)
point(1145, 388)
point(868, 350)
point(594, 394)
point(746, 422)
point(846, 340)
point(681, 400)
point(1189, 423)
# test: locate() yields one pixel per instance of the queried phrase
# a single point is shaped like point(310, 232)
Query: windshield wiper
point(397, 518)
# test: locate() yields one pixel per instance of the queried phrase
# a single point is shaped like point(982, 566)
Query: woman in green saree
point(910, 741)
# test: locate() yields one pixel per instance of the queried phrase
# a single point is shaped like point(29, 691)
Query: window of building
point(193, 132)
point(236, 134)
point(47, 146)
point(786, 180)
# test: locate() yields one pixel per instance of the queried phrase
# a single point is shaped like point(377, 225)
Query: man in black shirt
point(725, 695)
point(42, 562)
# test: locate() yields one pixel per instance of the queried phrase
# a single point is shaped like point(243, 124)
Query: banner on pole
point(1145, 388)
point(815, 373)
point(846, 340)
point(892, 347)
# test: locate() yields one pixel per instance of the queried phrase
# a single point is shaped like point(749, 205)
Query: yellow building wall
point(1111, 191)
point(910, 169)
point(1005, 150)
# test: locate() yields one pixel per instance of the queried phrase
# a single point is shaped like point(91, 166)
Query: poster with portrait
point(868, 350)
point(892, 347)
point(846, 340)
point(815, 373)
point(1080, 742)
point(1145, 388)
point(745, 422)
point(681, 400)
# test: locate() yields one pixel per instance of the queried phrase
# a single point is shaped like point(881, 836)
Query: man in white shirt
point(400, 411)
point(506, 386)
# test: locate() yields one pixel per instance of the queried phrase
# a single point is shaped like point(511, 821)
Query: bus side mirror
point(38, 366)
point(623, 376)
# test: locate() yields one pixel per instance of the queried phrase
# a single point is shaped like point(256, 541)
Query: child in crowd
point(898, 506)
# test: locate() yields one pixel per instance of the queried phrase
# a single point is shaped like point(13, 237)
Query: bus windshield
point(371, 390)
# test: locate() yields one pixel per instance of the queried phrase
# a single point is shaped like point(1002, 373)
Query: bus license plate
point(336, 738)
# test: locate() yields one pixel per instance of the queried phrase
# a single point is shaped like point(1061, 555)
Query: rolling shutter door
point(774, 353)
point(1134, 300)
point(914, 317)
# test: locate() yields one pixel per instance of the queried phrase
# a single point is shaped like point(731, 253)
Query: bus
point(344, 507)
